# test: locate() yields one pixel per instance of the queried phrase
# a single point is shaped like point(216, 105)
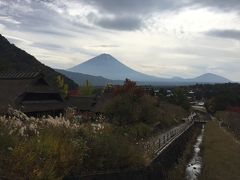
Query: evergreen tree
point(87, 89)
point(62, 86)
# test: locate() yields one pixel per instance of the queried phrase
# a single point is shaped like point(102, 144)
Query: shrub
point(170, 114)
point(113, 152)
point(125, 109)
point(52, 155)
point(53, 148)
point(135, 132)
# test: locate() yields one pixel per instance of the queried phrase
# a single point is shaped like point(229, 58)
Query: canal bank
point(221, 154)
point(194, 166)
point(162, 167)
point(188, 154)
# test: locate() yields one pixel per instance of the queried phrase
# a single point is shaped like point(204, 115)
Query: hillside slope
point(210, 78)
point(80, 78)
point(13, 58)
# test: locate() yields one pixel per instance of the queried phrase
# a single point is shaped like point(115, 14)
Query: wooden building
point(30, 93)
point(83, 105)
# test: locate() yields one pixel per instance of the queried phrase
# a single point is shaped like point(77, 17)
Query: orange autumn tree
point(129, 87)
point(130, 104)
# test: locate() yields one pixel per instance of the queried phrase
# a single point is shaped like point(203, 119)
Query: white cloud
point(1, 27)
point(9, 19)
point(167, 41)
point(17, 39)
point(192, 20)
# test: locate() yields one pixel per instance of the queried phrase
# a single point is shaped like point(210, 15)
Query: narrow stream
point(194, 166)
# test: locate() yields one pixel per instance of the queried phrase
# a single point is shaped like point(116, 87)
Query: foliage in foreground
point(221, 154)
point(52, 148)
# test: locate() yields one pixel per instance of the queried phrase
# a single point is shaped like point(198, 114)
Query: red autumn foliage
point(129, 87)
point(234, 109)
point(73, 93)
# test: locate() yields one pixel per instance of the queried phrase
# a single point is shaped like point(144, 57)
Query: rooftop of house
point(19, 75)
point(82, 103)
point(18, 87)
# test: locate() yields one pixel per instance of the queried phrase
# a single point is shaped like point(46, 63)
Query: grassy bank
point(221, 154)
point(231, 121)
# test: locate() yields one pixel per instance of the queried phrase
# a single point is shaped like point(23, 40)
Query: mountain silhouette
point(109, 67)
point(210, 78)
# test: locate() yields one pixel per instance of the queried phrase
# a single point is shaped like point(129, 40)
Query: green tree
point(87, 89)
point(130, 104)
point(107, 88)
point(62, 86)
point(180, 98)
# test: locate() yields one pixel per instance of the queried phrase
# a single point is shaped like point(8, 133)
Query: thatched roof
point(15, 86)
point(82, 103)
point(19, 75)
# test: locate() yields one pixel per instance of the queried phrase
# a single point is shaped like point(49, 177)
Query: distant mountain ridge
point(80, 78)
point(110, 68)
point(13, 58)
point(210, 78)
point(101, 81)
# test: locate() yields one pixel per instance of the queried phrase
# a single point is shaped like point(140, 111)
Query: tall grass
point(53, 148)
point(221, 155)
point(230, 120)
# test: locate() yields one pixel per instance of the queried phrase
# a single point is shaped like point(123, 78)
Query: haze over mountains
point(209, 78)
point(100, 70)
point(109, 68)
point(80, 78)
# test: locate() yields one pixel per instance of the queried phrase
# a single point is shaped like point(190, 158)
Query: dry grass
point(231, 120)
point(221, 155)
point(53, 148)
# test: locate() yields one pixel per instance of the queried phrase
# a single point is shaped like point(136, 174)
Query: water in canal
point(194, 166)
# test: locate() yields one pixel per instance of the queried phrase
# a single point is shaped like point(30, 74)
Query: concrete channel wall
point(158, 169)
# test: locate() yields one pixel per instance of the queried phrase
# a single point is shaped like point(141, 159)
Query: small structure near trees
point(83, 106)
point(30, 93)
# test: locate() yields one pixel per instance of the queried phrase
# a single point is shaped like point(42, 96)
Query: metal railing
point(157, 143)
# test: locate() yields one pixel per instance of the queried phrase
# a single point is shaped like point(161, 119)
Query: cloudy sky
point(159, 37)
